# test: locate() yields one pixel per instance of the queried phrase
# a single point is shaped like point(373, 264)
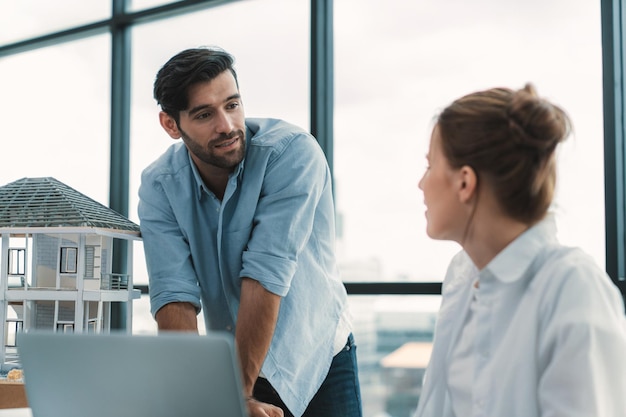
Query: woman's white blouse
point(549, 335)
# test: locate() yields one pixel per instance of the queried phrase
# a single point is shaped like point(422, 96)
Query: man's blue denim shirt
point(275, 224)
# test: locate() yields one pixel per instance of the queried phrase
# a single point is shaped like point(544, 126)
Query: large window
point(396, 64)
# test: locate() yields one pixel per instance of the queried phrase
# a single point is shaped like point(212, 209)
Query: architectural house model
point(56, 257)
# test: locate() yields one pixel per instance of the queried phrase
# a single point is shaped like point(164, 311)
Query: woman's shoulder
point(570, 276)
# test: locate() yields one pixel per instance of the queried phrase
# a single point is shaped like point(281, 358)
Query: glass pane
point(274, 81)
point(397, 63)
point(17, 261)
point(21, 19)
point(394, 337)
point(57, 102)
point(68, 260)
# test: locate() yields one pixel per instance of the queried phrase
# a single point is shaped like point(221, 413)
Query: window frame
point(17, 261)
point(68, 257)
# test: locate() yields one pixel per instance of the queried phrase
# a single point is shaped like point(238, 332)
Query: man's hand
point(259, 409)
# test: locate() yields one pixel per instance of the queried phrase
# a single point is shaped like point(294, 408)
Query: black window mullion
point(119, 173)
point(614, 131)
point(322, 88)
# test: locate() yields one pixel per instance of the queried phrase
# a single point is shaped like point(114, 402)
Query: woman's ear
point(468, 183)
point(169, 125)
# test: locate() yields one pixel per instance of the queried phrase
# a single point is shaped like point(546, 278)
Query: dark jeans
point(339, 395)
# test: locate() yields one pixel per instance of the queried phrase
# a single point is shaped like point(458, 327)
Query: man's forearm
point(177, 317)
point(256, 322)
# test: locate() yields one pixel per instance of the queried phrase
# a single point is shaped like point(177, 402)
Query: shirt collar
point(513, 261)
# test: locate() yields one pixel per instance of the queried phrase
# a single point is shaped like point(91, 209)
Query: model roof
point(47, 202)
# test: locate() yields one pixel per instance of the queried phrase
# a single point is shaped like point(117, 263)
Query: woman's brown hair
point(508, 138)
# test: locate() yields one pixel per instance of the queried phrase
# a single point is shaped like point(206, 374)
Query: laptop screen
point(105, 375)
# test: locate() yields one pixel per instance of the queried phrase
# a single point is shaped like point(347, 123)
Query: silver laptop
point(119, 375)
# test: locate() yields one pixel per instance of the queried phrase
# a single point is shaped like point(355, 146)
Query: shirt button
point(229, 328)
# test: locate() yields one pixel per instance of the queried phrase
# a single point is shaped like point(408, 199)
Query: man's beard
point(207, 155)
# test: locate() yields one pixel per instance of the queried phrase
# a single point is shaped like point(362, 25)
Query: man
point(238, 219)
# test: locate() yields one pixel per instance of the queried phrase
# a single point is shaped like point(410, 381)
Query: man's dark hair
point(185, 69)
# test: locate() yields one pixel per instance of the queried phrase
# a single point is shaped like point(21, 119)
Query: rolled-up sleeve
point(172, 277)
point(295, 178)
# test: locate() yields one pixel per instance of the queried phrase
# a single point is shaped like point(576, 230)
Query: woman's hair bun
point(535, 122)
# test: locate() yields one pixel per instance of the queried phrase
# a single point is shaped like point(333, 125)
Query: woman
point(527, 327)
